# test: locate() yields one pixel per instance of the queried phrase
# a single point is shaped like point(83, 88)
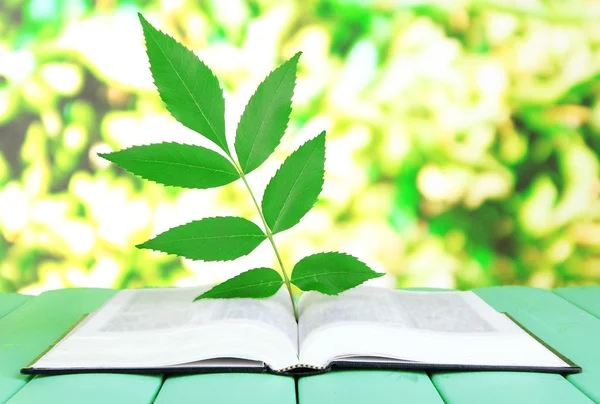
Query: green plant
point(193, 96)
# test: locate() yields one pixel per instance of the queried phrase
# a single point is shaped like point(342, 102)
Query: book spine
point(301, 369)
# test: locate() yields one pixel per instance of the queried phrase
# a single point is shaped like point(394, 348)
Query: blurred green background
point(463, 137)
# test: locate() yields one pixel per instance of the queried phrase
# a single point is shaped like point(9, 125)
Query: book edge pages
point(174, 370)
point(63, 336)
point(543, 343)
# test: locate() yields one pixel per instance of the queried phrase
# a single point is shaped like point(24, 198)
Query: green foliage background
point(462, 150)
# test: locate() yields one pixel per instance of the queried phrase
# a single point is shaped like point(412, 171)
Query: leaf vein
point(184, 84)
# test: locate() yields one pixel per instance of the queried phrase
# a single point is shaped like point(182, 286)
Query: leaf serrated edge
point(374, 274)
point(323, 133)
point(143, 21)
point(175, 187)
point(141, 245)
point(253, 285)
point(280, 282)
point(295, 59)
point(105, 156)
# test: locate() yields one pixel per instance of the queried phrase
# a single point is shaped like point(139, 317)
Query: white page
point(433, 311)
point(435, 327)
point(169, 309)
point(163, 327)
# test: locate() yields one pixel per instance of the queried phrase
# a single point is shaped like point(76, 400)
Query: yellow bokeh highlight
point(462, 139)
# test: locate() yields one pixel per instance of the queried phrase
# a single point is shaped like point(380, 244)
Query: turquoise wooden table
point(567, 318)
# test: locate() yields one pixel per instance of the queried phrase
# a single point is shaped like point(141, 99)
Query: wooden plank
point(584, 297)
point(89, 389)
point(559, 323)
point(10, 301)
point(507, 387)
point(227, 388)
point(28, 330)
point(358, 386)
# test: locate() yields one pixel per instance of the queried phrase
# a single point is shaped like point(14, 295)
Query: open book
point(163, 331)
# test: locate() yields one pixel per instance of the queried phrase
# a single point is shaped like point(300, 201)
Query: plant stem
point(288, 284)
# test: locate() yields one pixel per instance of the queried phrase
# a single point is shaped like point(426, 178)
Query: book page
point(143, 328)
point(430, 311)
point(156, 310)
point(433, 327)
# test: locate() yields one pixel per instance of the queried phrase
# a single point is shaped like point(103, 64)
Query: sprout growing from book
point(193, 96)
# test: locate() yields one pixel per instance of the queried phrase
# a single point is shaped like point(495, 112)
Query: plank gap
point(586, 298)
point(162, 383)
point(439, 391)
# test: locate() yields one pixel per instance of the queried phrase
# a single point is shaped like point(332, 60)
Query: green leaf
point(189, 89)
point(331, 273)
point(175, 164)
point(266, 116)
point(255, 283)
point(210, 239)
point(294, 189)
